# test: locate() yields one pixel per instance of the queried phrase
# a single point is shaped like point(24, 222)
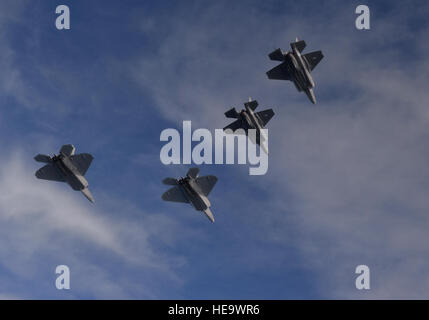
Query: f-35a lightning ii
point(296, 67)
point(248, 119)
point(191, 189)
point(67, 167)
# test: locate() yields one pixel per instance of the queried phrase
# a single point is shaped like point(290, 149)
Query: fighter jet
point(67, 167)
point(248, 119)
point(191, 189)
point(296, 67)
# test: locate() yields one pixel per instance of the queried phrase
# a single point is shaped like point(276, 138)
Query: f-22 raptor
point(296, 67)
point(248, 119)
point(67, 167)
point(191, 189)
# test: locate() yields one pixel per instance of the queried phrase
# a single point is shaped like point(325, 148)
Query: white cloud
point(355, 164)
point(43, 224)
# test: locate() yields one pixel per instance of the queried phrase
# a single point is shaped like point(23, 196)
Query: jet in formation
point(248, 119)
point(67, 167)
point(191, 189)
point(296, 67)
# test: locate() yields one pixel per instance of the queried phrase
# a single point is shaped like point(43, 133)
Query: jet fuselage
point(70, 172)
point(195, 196)
point(298, 68)
point(253, 122)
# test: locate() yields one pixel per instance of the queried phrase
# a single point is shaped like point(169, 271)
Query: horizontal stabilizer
point(170, 181)
point(209, 214)
point(88, 194)
point(193, 172)
point(252, 104)
point(232, 113)
point(276, 55)
point(313, 58)
point(299, 45)
point(68, 150)
point(43, 158)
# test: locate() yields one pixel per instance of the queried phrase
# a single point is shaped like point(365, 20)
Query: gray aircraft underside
point(191, 189)
point(248, 119)
point(296, 67)
point(67, 167)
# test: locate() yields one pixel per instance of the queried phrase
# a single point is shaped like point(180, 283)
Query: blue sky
point(347, 179)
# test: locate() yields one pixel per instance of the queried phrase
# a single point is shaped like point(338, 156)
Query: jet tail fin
point(209, 214)
point(88, 194)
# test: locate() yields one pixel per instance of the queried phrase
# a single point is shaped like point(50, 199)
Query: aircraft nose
point(209, 214)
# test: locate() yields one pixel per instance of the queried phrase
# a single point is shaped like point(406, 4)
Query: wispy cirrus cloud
point(44, 224)
point(346, 182)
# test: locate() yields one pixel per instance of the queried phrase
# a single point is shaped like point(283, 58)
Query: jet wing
point(313, 58)
point(265, 116)
point(82, 162)
point(50, 172)
point(279, 73)
point(206, 183)
point(238, 124)
point(232, 113)
point(276, 55)
point(175, 194)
